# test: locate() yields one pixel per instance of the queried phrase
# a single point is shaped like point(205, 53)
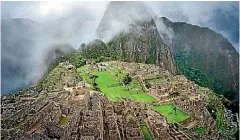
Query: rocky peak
point(119, 16)
point(132, 34)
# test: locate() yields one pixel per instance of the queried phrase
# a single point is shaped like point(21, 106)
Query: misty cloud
point(25, 43)
point(222, 17)
point(198, 13)
point(120, 16)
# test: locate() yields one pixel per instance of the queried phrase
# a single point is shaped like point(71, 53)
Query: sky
point(222, 17)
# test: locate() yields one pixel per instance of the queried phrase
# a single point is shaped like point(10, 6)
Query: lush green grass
point(167, 111)
point(109, 84)
point(220, 118)
point(200, 130)
point(112, 88)
point(84, 73)
point(145, 131)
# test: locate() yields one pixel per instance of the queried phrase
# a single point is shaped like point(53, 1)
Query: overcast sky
point(222, 17)
point(76, 22)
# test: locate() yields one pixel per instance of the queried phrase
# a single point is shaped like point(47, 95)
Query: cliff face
point(132, 35)
point(207, 50)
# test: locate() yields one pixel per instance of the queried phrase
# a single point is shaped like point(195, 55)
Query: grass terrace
point(167, 110)
point(145, 131)
point(109, 83)
point(200, 130)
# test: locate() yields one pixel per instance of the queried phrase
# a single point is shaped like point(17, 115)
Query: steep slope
point(131, 33)
point(95, 49)
point(206, 50)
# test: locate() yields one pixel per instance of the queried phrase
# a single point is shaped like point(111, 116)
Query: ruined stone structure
point(78, 113)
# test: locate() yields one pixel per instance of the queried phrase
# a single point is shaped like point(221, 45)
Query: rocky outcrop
point(132, 35)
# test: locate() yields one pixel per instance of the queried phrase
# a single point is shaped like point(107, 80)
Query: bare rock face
point(132, 35)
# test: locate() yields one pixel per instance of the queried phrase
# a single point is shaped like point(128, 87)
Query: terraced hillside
point(109, 82)
point(115, 100)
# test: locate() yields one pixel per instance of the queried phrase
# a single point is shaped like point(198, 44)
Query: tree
point(94, 78)
point(175, 110)
point(95, 86)
point(75, 58)
point(127, 79)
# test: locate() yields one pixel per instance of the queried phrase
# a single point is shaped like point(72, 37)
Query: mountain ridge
point(139, 40)
point(204, 49)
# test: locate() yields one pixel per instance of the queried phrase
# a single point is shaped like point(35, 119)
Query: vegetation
point(213, 78)
point(95, 49)
point(200, 130)
point(216, 109)
point(220, 118)
point(117, 48)
point(127, 79)
point(113, 89)
point(167, 110)
point(109, 84)
point(75, 59)
point(145, 131)
point(63, 120)
point(152, 57)
point(53, 80)
point(194, 74)
point(186, 63)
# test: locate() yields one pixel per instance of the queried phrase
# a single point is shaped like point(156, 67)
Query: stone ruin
point(76, 112)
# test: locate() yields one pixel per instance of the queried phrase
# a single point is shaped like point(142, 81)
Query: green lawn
point(109, 84)
point(200, 130)
point(167, 111)
point(112, 88)
point(145, 131)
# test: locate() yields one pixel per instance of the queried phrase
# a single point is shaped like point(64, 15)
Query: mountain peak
point(120, 15)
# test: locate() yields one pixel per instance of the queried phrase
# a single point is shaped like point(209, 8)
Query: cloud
point(120, 16)
point(222, 17)
point(74, 23)
point(197, 13)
